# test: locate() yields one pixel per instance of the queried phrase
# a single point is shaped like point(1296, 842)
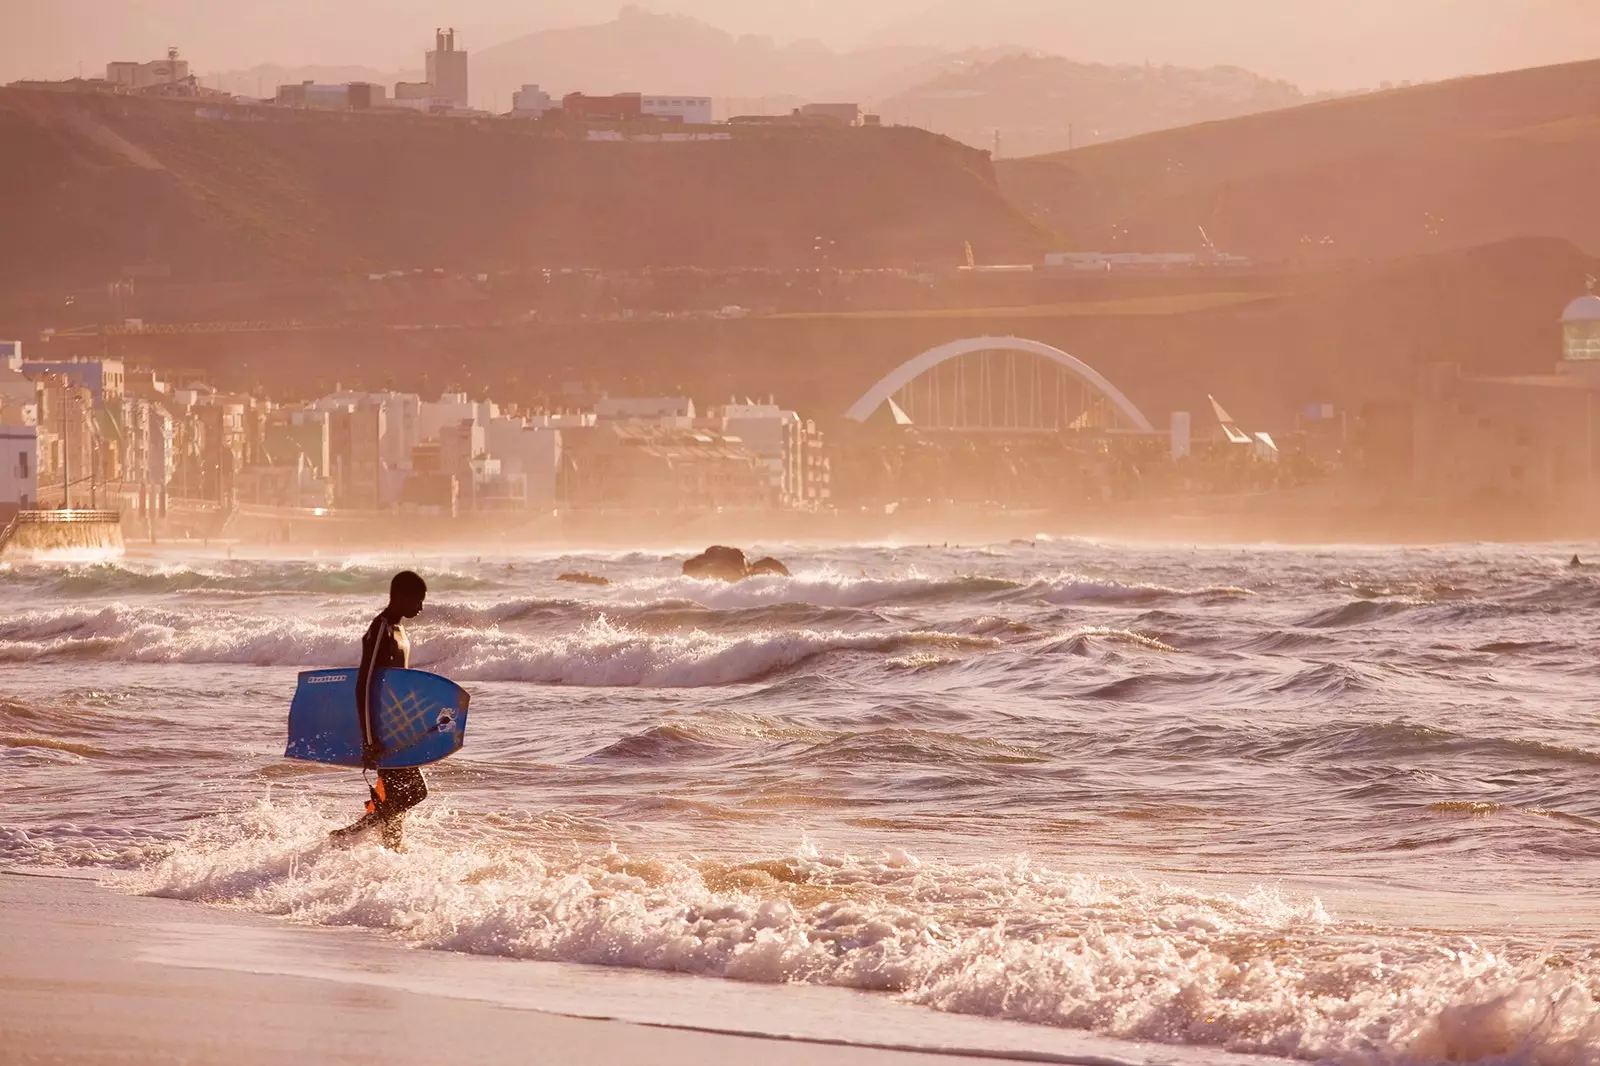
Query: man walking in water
point(386, 647)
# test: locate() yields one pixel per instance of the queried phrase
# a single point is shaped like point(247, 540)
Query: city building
point(650, 466)
point(1526, 437)
point(65, 435)
point(530, 101)
point(19, 469)
point(789, 449)
point(844, 114)
point(350, 96)
point(1580, 332)
point(677, 411)
point(295, 436)
point(620, 107)
point(413, 95)
point(529, 452)
point(452, 408)
point(133, 75)
point(447, 70)
point(690, 110)
point(104, 378)
point(19, 398)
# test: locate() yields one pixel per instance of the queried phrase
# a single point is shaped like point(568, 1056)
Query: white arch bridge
point(1005, 384)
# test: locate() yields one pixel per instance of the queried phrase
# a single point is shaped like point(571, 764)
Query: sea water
point(1332, 804)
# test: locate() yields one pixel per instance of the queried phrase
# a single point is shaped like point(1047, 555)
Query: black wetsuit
point(385, 646)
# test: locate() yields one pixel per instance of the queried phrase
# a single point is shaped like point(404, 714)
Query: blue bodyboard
point(422, 718)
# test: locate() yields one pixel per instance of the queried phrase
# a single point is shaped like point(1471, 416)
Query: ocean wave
point(602, 654)
point(242, 576)
point(820, 589)
point(1256, 972)
point(1079, 590)
point(599, 653)
point(1358, 613)
point(1086, 640)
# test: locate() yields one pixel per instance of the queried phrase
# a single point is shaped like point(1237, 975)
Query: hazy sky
point(49, 38)
point(1317, 43)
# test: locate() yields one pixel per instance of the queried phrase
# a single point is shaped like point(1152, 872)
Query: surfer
point(386, 646)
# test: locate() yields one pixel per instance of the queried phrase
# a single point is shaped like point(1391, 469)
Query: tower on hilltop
point(447, 69)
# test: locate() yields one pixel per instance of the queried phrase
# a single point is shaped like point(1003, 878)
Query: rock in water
point(769, 565)
point(585, 578)
point(718, 563)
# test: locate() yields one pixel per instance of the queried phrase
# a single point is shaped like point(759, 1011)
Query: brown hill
point(221, 191)
point(1402, 172)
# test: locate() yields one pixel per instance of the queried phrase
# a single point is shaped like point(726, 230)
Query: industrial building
point(134, 75)
point(447, 70)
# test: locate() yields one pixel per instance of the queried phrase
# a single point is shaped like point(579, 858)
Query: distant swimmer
point(386, 646)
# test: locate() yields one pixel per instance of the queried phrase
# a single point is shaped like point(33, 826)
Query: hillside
point(1386, 174)
point(224, 192)
point(1042, 104)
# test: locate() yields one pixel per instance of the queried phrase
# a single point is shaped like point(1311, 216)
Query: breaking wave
point(597, 654)
point(1256, 972)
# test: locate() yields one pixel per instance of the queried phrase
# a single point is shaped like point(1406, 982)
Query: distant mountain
point(1373, 176)
point(1041, 104)
point(1345, 45)
point(644, 52)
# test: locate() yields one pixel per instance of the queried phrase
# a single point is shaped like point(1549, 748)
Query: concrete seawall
point(64, 532)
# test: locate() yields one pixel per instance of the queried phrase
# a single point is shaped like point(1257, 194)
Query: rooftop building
point(134, 75)
point(447, 70)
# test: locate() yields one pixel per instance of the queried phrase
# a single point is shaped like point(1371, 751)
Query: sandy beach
point(92, 975)
point(84, 982)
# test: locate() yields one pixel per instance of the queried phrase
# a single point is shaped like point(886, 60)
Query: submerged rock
point(585, 578)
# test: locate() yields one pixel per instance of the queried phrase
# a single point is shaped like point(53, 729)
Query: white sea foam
point(598, 654)
point(1259, 972)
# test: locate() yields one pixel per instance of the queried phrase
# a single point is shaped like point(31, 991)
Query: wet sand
point(91, 976)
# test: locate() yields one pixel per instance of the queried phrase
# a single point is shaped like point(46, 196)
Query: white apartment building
point(19, 469)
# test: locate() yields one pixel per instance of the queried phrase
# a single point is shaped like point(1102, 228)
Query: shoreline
point(91, 975)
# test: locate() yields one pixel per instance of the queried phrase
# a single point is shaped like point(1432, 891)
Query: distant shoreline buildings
point(92, 433)
point(446, 91)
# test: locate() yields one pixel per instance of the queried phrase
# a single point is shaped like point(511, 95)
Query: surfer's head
point(406, 593)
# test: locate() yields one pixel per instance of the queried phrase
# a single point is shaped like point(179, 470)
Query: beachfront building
point(19, 469)
point(1531, 437)
point(641, 465)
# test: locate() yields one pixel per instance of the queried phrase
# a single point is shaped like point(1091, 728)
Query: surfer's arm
point(366, 691)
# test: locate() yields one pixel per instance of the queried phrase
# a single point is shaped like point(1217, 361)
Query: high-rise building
point(447, 70)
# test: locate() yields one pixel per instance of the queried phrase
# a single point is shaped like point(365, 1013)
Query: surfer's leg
point(372, 818)
point(403, 790)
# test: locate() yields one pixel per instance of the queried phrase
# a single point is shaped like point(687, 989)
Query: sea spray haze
point(1337, 805)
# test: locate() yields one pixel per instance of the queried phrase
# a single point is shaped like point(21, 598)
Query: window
point(22, 465)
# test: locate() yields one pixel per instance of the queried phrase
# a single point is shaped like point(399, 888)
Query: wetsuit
point(385, 646)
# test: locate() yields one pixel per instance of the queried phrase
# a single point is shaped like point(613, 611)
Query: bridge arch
point(914, 368)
